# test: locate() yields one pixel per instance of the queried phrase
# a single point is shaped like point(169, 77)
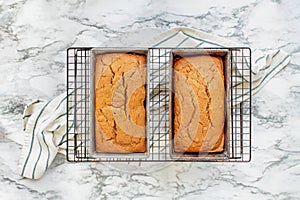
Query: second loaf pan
point(200, 108)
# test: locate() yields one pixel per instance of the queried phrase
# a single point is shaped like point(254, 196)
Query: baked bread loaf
point(120, 115)
point(198, 104)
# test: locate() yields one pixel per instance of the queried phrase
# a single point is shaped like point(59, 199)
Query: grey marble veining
point(34, 36)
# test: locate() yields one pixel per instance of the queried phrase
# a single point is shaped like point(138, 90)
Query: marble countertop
point(34, 36)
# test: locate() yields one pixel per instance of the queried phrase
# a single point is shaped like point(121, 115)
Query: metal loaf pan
point(204, 156)
point(106, 156)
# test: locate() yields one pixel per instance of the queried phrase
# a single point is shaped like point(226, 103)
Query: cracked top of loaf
point(120, 115)
point(198, 104)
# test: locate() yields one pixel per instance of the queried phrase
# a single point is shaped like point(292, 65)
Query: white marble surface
point(34, 36)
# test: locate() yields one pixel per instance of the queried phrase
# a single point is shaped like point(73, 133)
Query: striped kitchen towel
point(45, 122)
point(44, 135)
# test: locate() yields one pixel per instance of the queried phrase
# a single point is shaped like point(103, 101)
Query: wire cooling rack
point(159, 134)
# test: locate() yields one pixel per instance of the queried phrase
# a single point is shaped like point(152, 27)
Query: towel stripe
point(26, 116)
point(62, 140)
point(60, 116)
point(160, 42)
point(62, 101)
point(248, 65)
point(182, 41)
point(66, 97)
point(59, 125)
point(33, 171)
point(48, 157)
point(64, 136)
point(258, 59)
point(32, 137)
point(48, 151)
point(198, 45)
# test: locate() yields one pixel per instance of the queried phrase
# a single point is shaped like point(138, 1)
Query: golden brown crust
point(119, 103)
point(198, 104)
